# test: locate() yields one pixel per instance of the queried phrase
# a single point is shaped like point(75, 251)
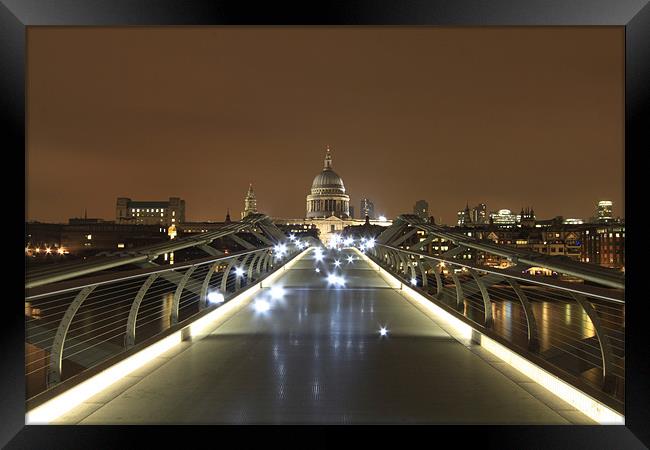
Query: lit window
point(120, 245)
point(173, 213)
point(89, 236)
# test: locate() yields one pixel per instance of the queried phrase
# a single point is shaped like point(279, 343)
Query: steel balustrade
point(586, 348)
point(74, 325)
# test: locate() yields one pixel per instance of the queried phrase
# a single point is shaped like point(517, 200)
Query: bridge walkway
point(317, 356)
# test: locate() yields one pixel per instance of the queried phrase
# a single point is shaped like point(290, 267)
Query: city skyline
point(482, 122)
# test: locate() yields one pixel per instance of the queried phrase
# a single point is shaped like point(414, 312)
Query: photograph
point(306, 224)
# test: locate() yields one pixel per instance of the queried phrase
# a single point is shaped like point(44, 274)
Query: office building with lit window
point(164, 213)
point(604, 245)
point(421, 209)
point(367, 208)
point(604, 211)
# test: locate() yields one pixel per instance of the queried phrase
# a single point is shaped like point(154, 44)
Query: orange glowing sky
point(507, 116)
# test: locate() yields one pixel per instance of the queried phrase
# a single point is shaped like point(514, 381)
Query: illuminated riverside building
point(163, 213)
point(605, 245)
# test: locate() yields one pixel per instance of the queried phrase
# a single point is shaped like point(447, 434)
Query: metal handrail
point(61, 304)
point(610, 295)
point(39, 277)
point(557, 263)
point(404, 264)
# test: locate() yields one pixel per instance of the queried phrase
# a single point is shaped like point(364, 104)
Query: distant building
point(569, 221)
point(250, 202)
point(604, 245)
point(165, 213)
point(604, 211)
point(421, 209)
point(91, 238)
point(471, 217)
point(352, 212)
point(479, 214)
point(464, 217)
point(367, 208)
point(526, 218)
point(503, 218)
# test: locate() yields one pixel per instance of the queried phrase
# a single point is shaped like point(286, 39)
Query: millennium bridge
point(285, 330)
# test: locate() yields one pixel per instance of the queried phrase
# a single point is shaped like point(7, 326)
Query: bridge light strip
point(584, 403)
point(76, 395)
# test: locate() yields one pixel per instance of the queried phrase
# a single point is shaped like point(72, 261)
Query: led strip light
point(586, 404)
point(73, 397)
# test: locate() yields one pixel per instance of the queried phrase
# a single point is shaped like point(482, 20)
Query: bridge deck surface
point(317, 357)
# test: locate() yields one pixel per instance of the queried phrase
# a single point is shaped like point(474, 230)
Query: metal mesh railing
point(577, 329)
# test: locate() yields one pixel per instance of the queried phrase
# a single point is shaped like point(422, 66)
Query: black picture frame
point(634, 15)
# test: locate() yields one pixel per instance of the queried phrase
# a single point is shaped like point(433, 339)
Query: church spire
point(328, 159)
point(250, 202)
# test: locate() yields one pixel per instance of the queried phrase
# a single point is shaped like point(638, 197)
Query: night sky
point(510, 117)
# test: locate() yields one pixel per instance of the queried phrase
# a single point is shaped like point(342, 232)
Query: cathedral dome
point(328, 197)
point(328, 179)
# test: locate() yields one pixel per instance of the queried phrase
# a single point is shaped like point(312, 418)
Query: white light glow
point(215, 297)
point(261, 306)
point(277, 292)
point(383, 331)
point(383, 218)
point(336, 280)
point(337, 263)
point(414, 281)
point(350, 259)
point(317, 270)
point(370, 243)
point(348, 241)
point(239, 271)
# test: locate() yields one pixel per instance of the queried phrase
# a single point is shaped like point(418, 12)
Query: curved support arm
point(251, 267)
point(439, 286)
point(423, 271)
point(460, 296)
point(129, 339)
point(56, 356)
point(224, 279)
point(238, 279)
point(603, 341)
point(177, 295)
point(260, 261)
point(411, 265)
point(404, 262)
point(203, 296)
point(533, 336)
point(487, 303)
